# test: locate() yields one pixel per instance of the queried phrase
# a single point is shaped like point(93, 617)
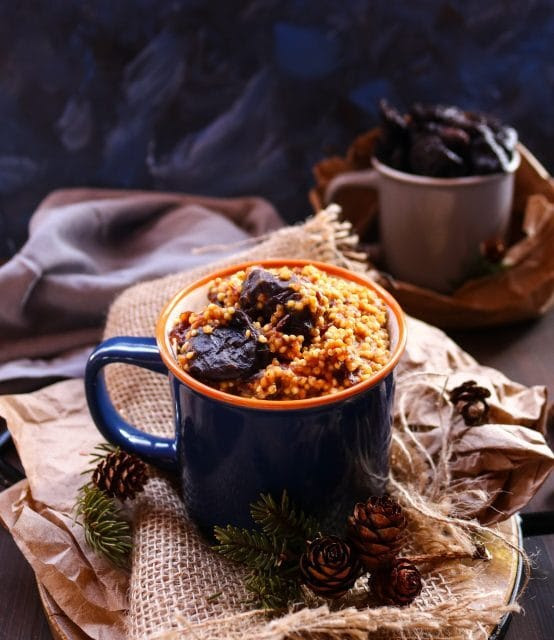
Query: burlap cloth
point(174, 573)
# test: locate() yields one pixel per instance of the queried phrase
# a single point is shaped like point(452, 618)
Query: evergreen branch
point(282, 520)
point(272, 554)
point(106, 531)
point(251, 548)
point(272, 591)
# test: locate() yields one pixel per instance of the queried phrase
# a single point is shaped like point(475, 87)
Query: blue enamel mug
point(328, 452)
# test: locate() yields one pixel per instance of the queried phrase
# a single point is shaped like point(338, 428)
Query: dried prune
point(262, 292)
point(343, 374)
point(228, 353)
point(393, 141)
point(444, 141)
point(224, 354)
point(429, 156)
point(487, 152)
point(298, 323)
point(446, 115)
point(179, 331)
point(455, 138)
point(392, 119)
point(483, 159)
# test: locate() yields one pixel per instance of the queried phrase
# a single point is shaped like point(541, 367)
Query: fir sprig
point(106, 530)
point(271, 552)
point(272, 591)
point(112, 477)
point(282, 520)
point(253, 549)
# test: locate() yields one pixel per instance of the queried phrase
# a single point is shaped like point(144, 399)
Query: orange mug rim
point(164, 345)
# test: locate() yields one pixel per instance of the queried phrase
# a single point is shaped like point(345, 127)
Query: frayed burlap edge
point(181, 588)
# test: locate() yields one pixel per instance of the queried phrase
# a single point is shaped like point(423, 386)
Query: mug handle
point(141, 352)
point(364, 178)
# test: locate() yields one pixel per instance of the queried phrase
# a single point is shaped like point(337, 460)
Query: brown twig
point(480, 553)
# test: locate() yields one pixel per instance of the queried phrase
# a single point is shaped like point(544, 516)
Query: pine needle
point(272, 591)
point(253, 549)
point(271, 552)
point(282, 519)
point(104, 449)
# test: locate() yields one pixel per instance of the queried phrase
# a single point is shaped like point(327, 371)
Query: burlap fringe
point(442, 621)
point(174, 571)
point(333, 239)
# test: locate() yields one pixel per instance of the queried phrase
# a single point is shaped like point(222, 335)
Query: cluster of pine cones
point(375, 533)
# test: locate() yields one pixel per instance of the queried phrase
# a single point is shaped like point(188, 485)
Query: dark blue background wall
point(228, 98)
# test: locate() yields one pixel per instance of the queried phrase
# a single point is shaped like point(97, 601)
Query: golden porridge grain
point(284, 334)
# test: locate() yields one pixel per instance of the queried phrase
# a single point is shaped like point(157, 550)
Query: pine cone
point(469, 400)
point(398, 584)
point(121, 475)
point(329, 566)
point(376, 530)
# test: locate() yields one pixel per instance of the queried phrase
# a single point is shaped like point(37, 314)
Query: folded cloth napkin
point(86, 246)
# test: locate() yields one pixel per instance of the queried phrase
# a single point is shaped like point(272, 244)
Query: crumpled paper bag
point(523, 289)
point(53, 432)
point(493, 459)
point(507, 458)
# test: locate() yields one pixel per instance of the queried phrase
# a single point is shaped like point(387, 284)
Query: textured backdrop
point(225, 98)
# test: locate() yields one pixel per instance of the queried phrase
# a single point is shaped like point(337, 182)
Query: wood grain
point(21, 614)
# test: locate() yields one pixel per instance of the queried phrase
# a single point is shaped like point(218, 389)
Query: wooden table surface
point(525, 353)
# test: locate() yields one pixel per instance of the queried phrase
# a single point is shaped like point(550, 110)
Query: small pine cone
point(474, 413)
point(468, 391)
point(398, 584)
point(329, 567)
point(376, 530)
point(121, 475)
point(470, 401)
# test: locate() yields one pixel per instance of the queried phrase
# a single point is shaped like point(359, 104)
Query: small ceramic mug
point(328, 451)
point(431, 229)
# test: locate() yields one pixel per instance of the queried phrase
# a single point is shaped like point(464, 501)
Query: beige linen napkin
point(85, 247)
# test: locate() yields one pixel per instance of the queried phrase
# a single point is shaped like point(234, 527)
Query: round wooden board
point(60, 625)
point(503, 572)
